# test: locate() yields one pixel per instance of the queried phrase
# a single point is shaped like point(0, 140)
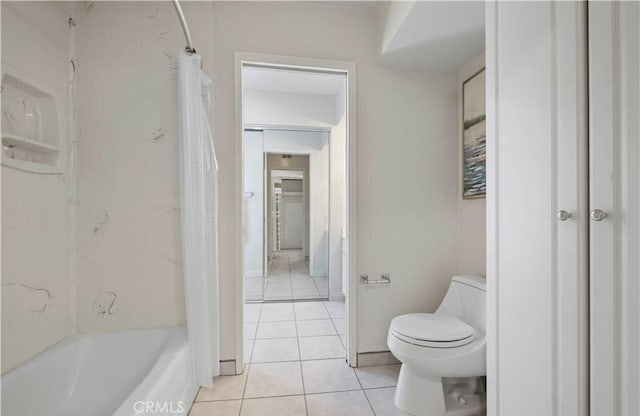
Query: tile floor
point(296, 367)
point(288, 280)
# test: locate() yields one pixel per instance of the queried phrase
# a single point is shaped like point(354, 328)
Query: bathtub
point(145, 372)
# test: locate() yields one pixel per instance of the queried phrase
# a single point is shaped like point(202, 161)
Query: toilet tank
point(466, 299)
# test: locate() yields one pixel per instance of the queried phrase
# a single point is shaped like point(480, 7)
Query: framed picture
point(474, 137)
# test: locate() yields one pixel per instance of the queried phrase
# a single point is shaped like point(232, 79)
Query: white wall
point(406, 121)
point(391, 19)
point(472, 222)
point(130, 271)
point(253, 160)
point(288, 109)
point(37, 228)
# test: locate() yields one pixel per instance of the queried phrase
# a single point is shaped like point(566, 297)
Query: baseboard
point(370, 359)
point(227, 367)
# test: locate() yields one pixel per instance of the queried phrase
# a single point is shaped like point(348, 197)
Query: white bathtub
point(146, 372)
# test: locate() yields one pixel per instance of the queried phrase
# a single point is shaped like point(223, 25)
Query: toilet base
point(417, 395)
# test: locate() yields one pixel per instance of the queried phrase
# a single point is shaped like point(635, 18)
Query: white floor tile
point(301, 278)
point(277, 312)
point(278, 293)
point(224, 388)
point(250, 330)
point(335, 309)
point(378, 376)
point(223, 408)
point(248, 350)
point(284, 329)
point(340, 325)
point(303, 284)
point(310, 310)
point(274, 379)
point(273, 350)
point(321, 376)
point(313, 348)
point(306, 294)
point(322, 283)
point(314, 328)
point(275, 406)
point(252, 312)
point(278, 283)
point(382, 402)
point(348, 403)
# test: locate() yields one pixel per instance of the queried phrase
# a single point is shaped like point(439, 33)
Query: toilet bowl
point(443, 353)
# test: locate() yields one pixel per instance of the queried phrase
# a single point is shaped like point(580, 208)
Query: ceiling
point(292, 81)
point(434, 34)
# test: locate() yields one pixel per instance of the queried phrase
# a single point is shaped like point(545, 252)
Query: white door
point(536, 263)
point(614, 96)
point(292, 221)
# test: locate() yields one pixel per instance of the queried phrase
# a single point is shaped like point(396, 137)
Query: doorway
point(273, 101)
point(287, 232)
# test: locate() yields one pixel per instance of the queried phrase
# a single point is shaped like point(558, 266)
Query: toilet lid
point(430, 328)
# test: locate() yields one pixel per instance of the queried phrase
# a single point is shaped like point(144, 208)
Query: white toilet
point(443, 354)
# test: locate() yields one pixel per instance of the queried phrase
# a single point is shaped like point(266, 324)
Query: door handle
point(563, 215)
point(598, 215)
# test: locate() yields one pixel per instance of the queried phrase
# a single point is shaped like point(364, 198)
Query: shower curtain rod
point(189, 49)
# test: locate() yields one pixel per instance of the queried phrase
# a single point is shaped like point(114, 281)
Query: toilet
point(443, 354)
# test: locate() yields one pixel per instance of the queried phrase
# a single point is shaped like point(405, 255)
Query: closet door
point(614, 133)
point(536, 209)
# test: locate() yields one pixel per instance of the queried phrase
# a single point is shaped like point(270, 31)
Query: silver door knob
point(598, 215)
point(563, 215)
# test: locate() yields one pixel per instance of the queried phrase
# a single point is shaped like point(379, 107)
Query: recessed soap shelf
point(30, 126)
point(11, 140)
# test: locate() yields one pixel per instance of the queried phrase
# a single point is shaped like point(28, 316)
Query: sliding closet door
point(614, 90)
point(536, 208)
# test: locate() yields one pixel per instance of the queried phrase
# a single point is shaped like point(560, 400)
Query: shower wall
point(130, 265)
point(37, 219)
point(108, 258)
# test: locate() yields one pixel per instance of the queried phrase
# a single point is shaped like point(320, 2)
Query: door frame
point(308, 64)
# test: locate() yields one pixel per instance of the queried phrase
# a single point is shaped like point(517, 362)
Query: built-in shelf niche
point(30, 127)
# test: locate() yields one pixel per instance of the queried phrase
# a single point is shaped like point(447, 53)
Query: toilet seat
point(433, 331)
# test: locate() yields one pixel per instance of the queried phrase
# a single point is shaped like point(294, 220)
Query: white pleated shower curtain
point(198, 190)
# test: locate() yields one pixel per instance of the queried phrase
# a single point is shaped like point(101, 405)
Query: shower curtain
point(198, 193)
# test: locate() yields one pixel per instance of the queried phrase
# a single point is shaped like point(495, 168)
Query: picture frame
point(474, 151)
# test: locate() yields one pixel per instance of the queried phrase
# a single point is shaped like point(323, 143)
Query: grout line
point(294, 361)
point(253, 345)
point(248, 365)
point(333, 392)
point(336, 329)
point(289, 395)
point(363, 391)
point(380, 388)
point(304, 389)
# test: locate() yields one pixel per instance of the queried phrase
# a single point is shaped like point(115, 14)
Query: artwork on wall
point(474, 137)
